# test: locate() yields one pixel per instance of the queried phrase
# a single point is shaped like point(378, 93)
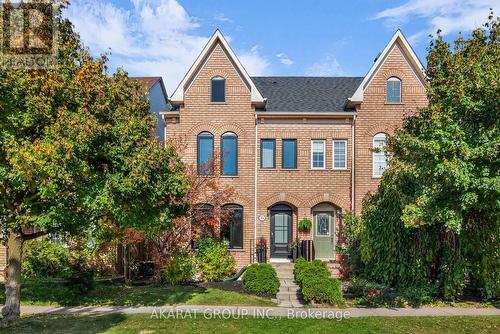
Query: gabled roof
point(306, 94)
point(217, 38)
point(148, 82)
point(415, 63)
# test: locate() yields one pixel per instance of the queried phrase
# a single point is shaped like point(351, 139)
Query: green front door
point(324, 235)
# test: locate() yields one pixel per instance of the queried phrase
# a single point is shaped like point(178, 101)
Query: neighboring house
point(155, 91)
point(292, 147)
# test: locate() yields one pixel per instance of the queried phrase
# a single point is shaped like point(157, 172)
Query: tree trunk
point(12, 307)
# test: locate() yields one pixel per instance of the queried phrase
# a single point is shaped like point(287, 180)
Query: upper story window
point(218, 89)
point(205, 153)
point(318, 154)
point(339, 154)
point(231, 225)
point(289, 153)
point(229, 153)
point(393, 90)
point(380, 163)
point(267, 153)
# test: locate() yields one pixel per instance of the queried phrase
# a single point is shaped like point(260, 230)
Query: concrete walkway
point(263, 312)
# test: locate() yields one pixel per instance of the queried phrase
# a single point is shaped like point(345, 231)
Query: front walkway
point(264, 312)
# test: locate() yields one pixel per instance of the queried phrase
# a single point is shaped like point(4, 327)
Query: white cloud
point(222, 18)
point(328, 66)
point(254, 62)
point(450, 16)
point(152, 38)
point(283, 58)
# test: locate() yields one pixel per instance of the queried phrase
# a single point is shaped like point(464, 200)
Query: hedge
point(261, 278)
point(316, 283)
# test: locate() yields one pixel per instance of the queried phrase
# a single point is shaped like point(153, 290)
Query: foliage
point(305, 224)
point(43, 258)
point(214, 260)
point(351, 247)
point(179, 269)
point(80, 276)
point(76, 151)
point(305, 271)
point(323, 290)
point(435, 218)
point(261, 278)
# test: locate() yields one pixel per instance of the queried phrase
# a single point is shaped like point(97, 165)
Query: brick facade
point(302, 188)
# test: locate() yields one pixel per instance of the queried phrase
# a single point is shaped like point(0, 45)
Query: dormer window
point(393, 90)
point(218, 89)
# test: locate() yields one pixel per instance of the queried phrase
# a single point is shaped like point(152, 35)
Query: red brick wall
point(375, 116)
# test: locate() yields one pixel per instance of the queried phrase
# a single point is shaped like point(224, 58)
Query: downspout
point(353, 167)
point(255, 185)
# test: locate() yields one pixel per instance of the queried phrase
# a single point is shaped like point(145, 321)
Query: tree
point(438, 207)
point(76, 151)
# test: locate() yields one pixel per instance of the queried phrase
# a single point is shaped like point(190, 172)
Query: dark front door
point(281, 230)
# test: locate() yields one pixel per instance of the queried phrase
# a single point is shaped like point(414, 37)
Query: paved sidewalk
point(228, 311)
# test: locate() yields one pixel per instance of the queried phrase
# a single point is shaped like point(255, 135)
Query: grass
point(120, 323)
point(42, 293)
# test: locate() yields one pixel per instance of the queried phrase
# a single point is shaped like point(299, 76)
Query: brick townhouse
point(291, 147)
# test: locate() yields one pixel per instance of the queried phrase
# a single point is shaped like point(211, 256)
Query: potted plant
point(295, 250)
point(305, 224)
point(261, 250)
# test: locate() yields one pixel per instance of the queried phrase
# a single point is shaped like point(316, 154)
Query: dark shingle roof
point(307, 94)
point(146, 82)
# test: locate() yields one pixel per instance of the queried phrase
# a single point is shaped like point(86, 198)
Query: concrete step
point(289, 295)
point(289, 288)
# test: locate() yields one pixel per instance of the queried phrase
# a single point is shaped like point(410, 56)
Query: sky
point(270, 37)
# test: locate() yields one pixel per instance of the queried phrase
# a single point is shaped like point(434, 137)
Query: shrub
point(308, 270)
point(179, 269)
point(43, 258)
point(80, 276)
point(261, 278)
point(323, 290)
point(214, 260)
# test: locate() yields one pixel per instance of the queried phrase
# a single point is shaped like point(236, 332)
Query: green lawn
point(39, 293)
point(143, 324)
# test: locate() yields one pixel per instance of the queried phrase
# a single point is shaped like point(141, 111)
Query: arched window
point(231, 225)
point(205, 153)
point(379, 155)
point(229, 153)
point(218, 89)
point(393, 90)
point(202, 223)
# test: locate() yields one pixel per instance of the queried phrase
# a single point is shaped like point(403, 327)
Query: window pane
point(229, 155)
point(380, 163)
point(205, 154)
point(322, 224)
point(232, 226)
point(267, 153)
point(218, 90)
point(393, 91)
point(339, 154)
point(289, 158)
point(318, 154)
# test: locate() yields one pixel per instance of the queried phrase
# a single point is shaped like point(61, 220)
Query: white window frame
point(345, 154)
point(324, 153)
point(400, 93)
point(378, 136)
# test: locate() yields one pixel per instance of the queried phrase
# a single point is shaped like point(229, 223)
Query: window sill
point(236, 249)
point(376, 177)
point(394, 103)
point(229, 176)
point(340, 169)
point(325, 169)
point(218, 103)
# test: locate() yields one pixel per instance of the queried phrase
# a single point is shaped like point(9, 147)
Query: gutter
point(255, 186)
point(353, 167)
point(307, 113)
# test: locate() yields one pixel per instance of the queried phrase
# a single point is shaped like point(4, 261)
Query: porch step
point(289, 294)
